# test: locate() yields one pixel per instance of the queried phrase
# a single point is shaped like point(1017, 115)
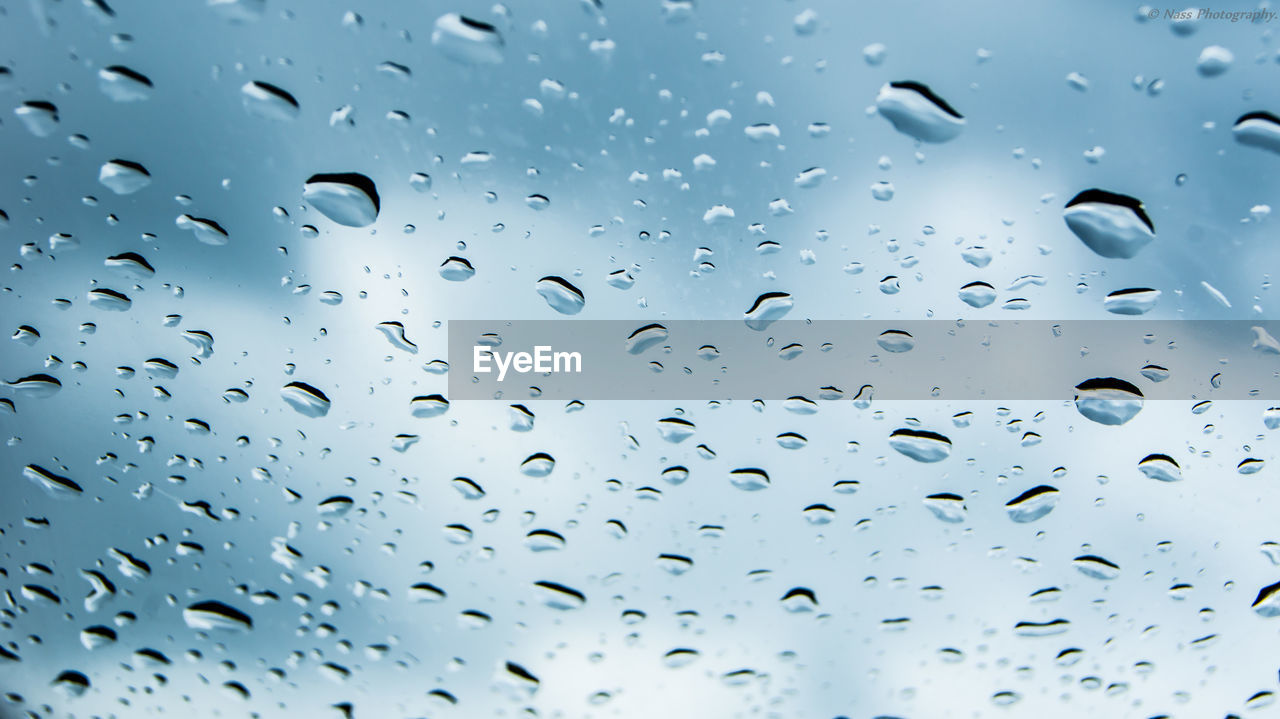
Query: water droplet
point(96, 637)
point(1268, 602)
point(946, 506)
point(558, 596)
point(335, 506)
point(977, 294)
point(130, 265)
point(1250, 465)
point(675, 430)
point(1214, 60)
point(122, 84)
point(763, 131)
point(560, 295)
point(538, 465)
point(457, 269)
point(467, 41)
point(674, 563)
point(1161, 467)
point(915, 110)
point(265, 100)
point(882, 191)
point(1050, 628)
point(211, 615)
point(428, 406)
point(124, 177)
point(767, 309)
point(305, 399)
point(896, 341)
point(1110, 224)
point(1096, 567)
point(544, 540)
point(426, 593)
point(54, 485)
point(749, 479)
point(680, 657)
point(394, 332)
point(1107, 400)
point(1258, 129)
point(205, 230)
point(347, 198)
point(1132, 301)
point(71, 683)
point(920, 445)
point(1032, 504)
point(110, 300)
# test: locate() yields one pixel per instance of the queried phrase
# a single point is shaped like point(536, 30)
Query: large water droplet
point(915, 110)
point(767, 309)
point(1258, 129)
point(1131, 301)
point(1268, 602)
point(921, 445)
point(304, 398)
point(1107, 400)
point(1032, 504)
point(560, 295)
point(977, 294)
point(946, 506)
point(124, 177)
point(124, 85)
point(347, 198)
point(749, 479)
point(266, 100)
point(39, 117)
point(1110, 224)
point(205, 230)
point(1094, 566)
point(210, 615)
point(1161, 467)
point(467, 41)
point(54, 485)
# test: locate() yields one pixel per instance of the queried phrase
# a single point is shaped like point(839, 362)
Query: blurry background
point(630, 118)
